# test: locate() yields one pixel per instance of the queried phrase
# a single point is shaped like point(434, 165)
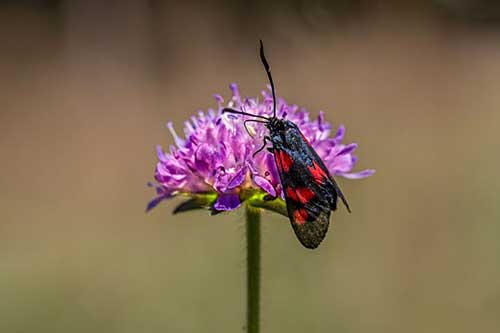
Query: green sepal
point(263, 200)
point(253, 198)
point(197, 201)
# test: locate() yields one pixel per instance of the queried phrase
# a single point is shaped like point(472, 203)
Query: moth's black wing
point(311, 232)
point(310, 193)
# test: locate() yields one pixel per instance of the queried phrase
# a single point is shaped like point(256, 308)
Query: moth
point(310, 192)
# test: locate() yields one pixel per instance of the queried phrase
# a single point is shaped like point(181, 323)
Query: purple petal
point(178, 141)
point(204, 156)
point(340, 133)
point(357, 175)
point(163, 194)
point(264, 184)
point(321, 120)
point(237, 180)
point(188, 128)
point(347, 149)
point(159, 189)
point(234, 90)
point(341, 163)
point(227, 202)
point(269, 165)
point(153, 203)
point(161, 155)
point(219, 98)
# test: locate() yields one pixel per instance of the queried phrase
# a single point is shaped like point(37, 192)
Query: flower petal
point(163, 194)
point(235, 91)
point(219, 98)
point(153, 203)
point(238, 179)
point(348, 149)
point(341, 163)
point(227, 202)
point(357, 175)
point(178, 141)
point(265, 184)
point(204, 157)
point(340, 133)
point(161, 156)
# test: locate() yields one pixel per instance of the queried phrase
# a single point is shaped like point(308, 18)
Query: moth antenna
point(228, 110)
point(268, 71)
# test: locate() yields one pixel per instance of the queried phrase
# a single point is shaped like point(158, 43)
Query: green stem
point(253, 268)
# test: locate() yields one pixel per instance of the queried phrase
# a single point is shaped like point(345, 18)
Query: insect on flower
point(310, 191)
point(215, 165)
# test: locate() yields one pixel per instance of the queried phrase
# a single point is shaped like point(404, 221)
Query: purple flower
point(215, 157)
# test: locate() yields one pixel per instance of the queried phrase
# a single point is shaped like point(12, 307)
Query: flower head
point(213, 162)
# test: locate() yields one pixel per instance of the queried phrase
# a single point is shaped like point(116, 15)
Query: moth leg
point(341, 195)
point(266, 140)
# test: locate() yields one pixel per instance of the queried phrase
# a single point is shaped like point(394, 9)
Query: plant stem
point(253, 268)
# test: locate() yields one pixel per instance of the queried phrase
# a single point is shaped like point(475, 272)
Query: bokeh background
point(86, 88)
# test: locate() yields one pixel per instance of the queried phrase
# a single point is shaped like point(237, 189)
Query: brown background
point(87, 86)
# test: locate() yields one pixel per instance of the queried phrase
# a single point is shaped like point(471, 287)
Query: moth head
point(280, 125)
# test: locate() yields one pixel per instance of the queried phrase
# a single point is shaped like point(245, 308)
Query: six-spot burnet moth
point(309, 189)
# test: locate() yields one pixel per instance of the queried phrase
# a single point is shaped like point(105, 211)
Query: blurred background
point(86, 88)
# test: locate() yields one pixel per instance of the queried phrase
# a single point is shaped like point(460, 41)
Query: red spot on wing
point(286, 160)
point(301, 194)
point(278, 161)
point(317, 173)
point(300, 216)
point(304, 194)
point(291, 194)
